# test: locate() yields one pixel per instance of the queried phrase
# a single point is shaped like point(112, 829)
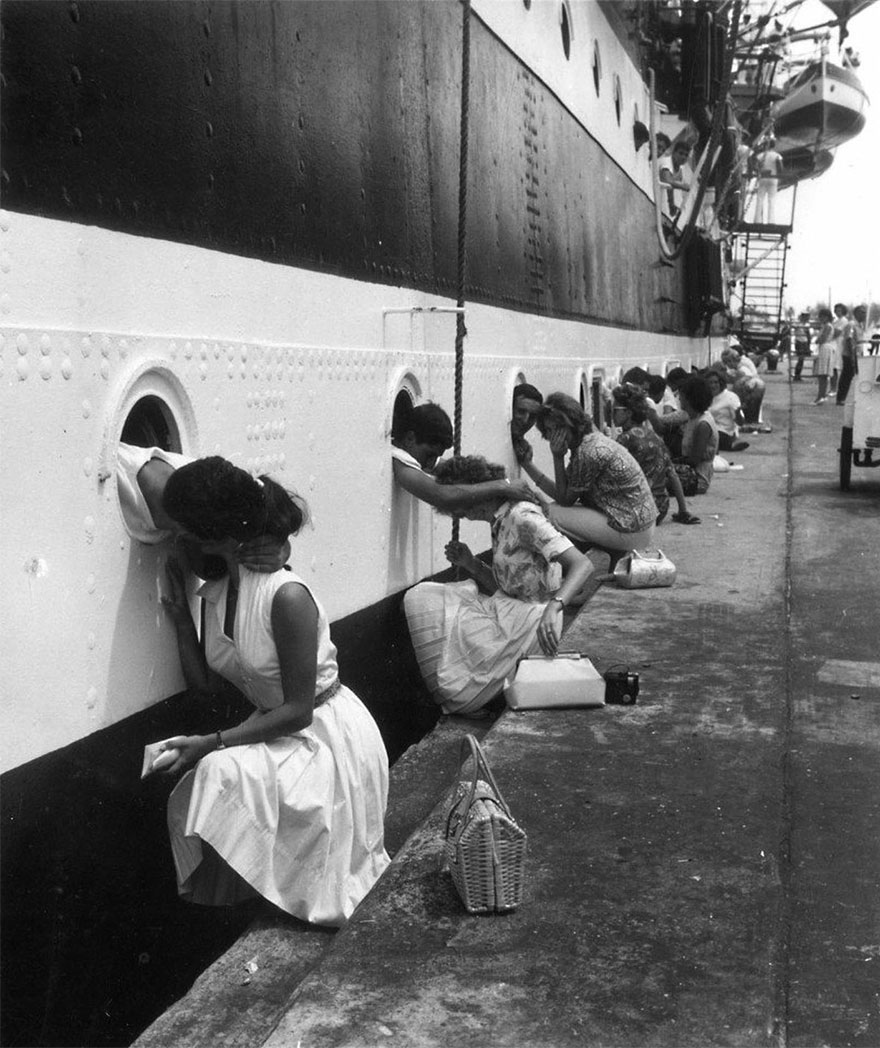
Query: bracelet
point(220, 744)
point(561, 601)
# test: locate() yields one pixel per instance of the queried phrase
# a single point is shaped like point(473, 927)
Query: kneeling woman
point(289, 804)
point(469, 635)
point(602, 496)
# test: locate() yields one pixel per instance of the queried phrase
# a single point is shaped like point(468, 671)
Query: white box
point(544, 682)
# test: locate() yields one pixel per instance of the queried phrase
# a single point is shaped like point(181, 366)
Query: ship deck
point(702, 866)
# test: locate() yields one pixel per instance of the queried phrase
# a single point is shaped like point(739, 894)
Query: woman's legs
point(823, 388)
point(590, 526)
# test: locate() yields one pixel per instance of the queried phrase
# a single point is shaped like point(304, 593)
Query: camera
point(621, 688)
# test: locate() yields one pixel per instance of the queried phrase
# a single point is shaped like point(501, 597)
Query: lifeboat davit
point(824, 106)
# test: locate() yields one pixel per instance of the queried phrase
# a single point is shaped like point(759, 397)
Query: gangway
point(757, 282)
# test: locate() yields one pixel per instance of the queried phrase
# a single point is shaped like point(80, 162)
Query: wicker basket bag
point(484, 848)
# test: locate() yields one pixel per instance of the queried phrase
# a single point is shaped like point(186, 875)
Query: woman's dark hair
point(826, 315)
point(428, 423)
point(214, 500)
point(633, 399)
point(636, 376)
point(696, 390)
point(656, 387)
point(468, 469)
point(524, 389)
point(564, 411)
point(675, 376)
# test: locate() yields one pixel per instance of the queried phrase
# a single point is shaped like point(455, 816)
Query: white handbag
point(543, 681)
point(644, 570)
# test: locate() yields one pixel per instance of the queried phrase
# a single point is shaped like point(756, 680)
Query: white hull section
point(284, 371)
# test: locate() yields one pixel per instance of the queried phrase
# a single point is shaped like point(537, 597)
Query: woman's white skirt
point(299, 819)
point(467, 643)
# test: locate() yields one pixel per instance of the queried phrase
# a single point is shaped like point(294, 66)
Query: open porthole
point(151, 424)
point(599, 406)
point(151, 410)
point(404, 393)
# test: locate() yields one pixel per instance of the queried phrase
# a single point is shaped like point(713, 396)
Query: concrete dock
point(703, 866)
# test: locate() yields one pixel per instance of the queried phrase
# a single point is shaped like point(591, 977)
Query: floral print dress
point(468, 643)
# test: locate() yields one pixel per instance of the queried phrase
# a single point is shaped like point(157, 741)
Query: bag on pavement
point(484, 847)
point(644, 570)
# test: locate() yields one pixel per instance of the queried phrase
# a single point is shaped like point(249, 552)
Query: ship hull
point(251, 215)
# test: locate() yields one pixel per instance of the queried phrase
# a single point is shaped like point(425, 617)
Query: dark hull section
point(326, 136)
point(95, 941)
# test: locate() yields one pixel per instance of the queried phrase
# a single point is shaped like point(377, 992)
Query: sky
point(835, 243)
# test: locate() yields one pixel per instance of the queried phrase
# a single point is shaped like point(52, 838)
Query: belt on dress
point(327, 693)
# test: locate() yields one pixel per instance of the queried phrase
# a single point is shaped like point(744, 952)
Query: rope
point(460, 329)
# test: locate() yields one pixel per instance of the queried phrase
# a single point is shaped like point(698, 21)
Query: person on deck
point(673, 172)
point(469, 635)
point(769, 165)
point(289, 804)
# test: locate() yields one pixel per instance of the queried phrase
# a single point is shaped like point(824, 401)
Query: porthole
point(565, 28)
point(403, 405)
point(517, 378)
point(403, 394)
point(151, 424)
point(618, 98)
point(597, 66)
point(596, 408)
point(151, 409)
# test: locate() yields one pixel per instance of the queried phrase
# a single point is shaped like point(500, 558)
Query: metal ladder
point(759, 254)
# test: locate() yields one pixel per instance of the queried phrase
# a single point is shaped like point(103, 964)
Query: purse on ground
point(484, 847)
point(543, 682)
point(644, 570)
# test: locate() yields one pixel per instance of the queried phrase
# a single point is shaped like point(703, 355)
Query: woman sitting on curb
point(602, 496)
point(469, 635)
point(699, 441)
point(726, 409)
point(640, 440)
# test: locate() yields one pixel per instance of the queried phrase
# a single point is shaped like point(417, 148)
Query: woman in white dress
point(826, 358)
point(289, 804)
point(469, 635)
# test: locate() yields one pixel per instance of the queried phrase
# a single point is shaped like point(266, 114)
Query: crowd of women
point(289, 805)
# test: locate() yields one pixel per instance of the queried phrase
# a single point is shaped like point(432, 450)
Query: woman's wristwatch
point(559, 600)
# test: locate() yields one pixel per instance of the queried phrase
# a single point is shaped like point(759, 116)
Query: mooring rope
point(460, 328)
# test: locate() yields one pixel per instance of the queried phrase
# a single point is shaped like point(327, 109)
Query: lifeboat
point(824, 106)
point(801, 164)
